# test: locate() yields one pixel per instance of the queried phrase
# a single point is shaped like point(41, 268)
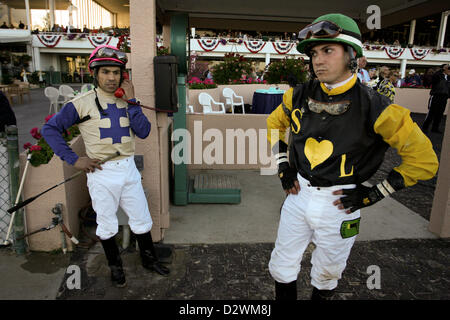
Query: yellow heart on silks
point(317, 152)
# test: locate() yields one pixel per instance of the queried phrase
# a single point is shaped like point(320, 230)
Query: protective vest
point(348, 146)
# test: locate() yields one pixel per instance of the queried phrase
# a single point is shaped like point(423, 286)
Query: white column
point(27, 13)
point(403, 68)
point(70, 9)
point(412, 30)
point(51, 5)
point(442, 28)
point(37, 59)
point(267, 58)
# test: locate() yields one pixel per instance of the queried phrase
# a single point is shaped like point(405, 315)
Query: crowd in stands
point(371, 39)
point(110, 31)
point(21, 25)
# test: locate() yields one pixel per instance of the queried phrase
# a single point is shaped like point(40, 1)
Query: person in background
point(413, 79)
point(7, 116)
point(363, 75)
point(387, 85)
point(373, 78)
point(439, 94)
point(4, 25)
point(21, 25)
point(382, 74)
point(428, 77)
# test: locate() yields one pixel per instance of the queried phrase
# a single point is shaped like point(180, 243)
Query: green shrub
point(280, 70)
point(234, 67)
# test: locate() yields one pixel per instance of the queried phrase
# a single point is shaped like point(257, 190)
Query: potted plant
point(280, 70)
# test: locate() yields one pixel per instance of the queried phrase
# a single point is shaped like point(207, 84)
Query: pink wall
point(416, 100)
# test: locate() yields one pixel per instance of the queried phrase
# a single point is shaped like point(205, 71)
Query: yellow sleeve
point(419, 161)
point(278, 121)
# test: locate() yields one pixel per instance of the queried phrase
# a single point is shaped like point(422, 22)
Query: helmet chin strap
point(353, 64)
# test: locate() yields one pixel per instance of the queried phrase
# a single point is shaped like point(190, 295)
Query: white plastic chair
point(52, 94)
point(67, 92)
point(232, 99)
point(86, 87)
point(206, 102)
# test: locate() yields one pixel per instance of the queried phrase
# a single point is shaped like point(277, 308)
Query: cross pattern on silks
point(116, 132)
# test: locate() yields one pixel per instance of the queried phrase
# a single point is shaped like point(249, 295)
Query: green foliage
point(162, 51)
point(41, 152)
point(280, 70)
point(34, 78)
point(234, 67)
point(196, 83)
point(6, 78)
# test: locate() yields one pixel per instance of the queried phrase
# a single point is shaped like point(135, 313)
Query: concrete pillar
point(143, 34)
point(28, 14)
point(442, 28)
point(51, 5)
point(267, 58)
point(412, 30)
point(403, 68)
point(440, 213)
point(37, 59)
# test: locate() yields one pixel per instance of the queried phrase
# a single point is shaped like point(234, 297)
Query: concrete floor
point(255, 219)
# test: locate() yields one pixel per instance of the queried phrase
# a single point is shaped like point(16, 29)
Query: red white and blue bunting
point(208, 44)
point(282, 47)
point(99, 40)
point(49, 41)
point(418, 53)
point(254, 46)
point(394, 52)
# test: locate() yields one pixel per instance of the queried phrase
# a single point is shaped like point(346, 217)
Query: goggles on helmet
point(108, 52)
point(321, 29)
point(324, 29)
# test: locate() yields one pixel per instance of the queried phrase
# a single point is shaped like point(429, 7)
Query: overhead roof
point(298, 11)
point(37, 4)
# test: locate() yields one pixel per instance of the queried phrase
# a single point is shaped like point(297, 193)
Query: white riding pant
point(118, 184)
point(311, 216)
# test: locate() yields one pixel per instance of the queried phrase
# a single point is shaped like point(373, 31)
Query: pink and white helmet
point(107, 56)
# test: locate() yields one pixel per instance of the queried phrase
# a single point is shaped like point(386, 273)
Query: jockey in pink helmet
point(105, 55)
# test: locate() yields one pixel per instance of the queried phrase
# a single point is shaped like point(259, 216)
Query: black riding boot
point(322, 294)
point(286, 291)
point(148, 254)
point(114, 262)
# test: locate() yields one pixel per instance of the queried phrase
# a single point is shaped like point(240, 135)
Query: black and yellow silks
point(348, 148)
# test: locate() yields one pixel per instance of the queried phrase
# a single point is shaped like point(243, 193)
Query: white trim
point(281, 154)
point(343, 37)
point(282, 160)
point(388, 186)
point(383, 191)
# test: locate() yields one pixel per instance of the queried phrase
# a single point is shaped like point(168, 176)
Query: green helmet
point(342, 29)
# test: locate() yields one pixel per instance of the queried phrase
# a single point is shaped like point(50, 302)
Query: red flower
point(35, 148)
point(26, 145)
point(35, 133)
point(49, 117)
